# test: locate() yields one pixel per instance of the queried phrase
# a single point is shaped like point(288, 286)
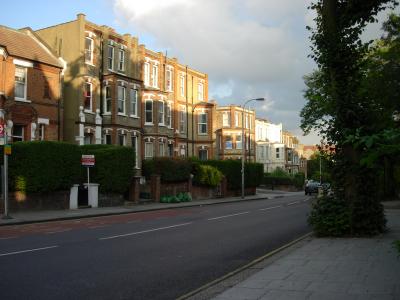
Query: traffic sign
point(88, 160)
point(1, 130)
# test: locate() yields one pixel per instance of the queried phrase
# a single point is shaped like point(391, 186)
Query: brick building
point(229, 141)
point(30, 87)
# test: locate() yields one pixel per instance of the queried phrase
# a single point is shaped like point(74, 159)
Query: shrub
point(170, 169)
point(330, 217)
point(181, 197)
point(279, 172)
point(114, 167)
point(43, 166)
point(207, 175)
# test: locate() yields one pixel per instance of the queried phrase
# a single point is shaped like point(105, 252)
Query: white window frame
point(123, 135)
point(161, 149)
point(239, 144)
point(121, 100)
point(146, 72)
point(226, 119)
point(168, 80)
point(201, 124)
point(182, 85)
point(277, 153)
point(110, 59)
point(107, 100)
point(133, 98)
point(161, 113)
point(182, 119)
point(154, 74)
point(206, 151)
point(42, 131)
point(105, 135)
point(200, 91)
point(25, 83)
point(22, 136)
point(121, 60)
point(90, 109)
point(226, 142)
point(89, 51)
point(134, 144)
point(237, 119)
point(168, 114)
point(146, 121)
point(148, 149)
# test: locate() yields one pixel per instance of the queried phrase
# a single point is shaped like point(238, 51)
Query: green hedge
point(232, 170)
point(297, 180)
point(114, 167)
point(50, 166)
point(206, 175)
point(43, 166)
point(170, 169)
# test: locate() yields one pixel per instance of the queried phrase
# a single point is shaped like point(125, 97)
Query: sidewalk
point(25, 217)
point(327, 268)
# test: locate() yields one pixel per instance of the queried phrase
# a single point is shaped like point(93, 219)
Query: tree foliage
point(341, 105)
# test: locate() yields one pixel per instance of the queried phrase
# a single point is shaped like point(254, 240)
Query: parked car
point(311, 187)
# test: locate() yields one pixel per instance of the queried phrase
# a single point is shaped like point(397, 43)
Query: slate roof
point(24, 44)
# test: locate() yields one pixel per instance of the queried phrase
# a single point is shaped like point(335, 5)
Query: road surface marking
point(25, 251)
point(97, 226)
point(59, 231)
point(8, 237)
point(144, 231)
point(293, 203)
point(268, 208)
point(228, 216)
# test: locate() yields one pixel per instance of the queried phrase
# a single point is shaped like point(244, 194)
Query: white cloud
point(249, 48)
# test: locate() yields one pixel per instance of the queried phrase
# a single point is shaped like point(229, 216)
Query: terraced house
point(30, 87)
point(119, 92)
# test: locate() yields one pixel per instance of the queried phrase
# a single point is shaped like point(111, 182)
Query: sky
point(248, 48)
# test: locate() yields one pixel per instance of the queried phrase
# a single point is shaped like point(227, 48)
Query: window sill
point(90, 64)
point(22, 100)
point(89, 111)
point(122, 115)
point(134, 117)
point(148, 124)
point(202, 134)
point(107, 114)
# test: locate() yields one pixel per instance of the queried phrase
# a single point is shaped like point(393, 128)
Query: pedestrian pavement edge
point(243, 268)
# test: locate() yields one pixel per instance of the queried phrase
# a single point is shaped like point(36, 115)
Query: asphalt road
point(151, 255)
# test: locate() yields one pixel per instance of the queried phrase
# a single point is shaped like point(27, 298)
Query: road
point(150, 255)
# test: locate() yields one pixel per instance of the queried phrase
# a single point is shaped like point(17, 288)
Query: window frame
point(146, 121)
point(182, 85)
point(89, 51)
point(228, 139)
point(146, 75)
point(25, 83)
point(161, 113)
point(121, 60)
point(154, 74)
point(107, 100)
point(237, 143)
point(121, 100)
point(182, 119)
point(20, 138)
point(90, 97)
point(133, 101)
point(200, 91)
point(226, 116)
point(202, 123)
point(168, 80)
point(110, 59)
point(146, 150)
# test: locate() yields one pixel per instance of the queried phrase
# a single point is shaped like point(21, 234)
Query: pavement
point(35, 216)
point(308, 268)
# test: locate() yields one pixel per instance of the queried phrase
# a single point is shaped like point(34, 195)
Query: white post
point(88, 173)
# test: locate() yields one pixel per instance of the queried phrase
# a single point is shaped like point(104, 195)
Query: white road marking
point(25, 251)
point(8, 237)
point(97, 226)
point(293, 203)
point(228, 216)
point(144, 231)
point(268, 208)
point(59, 231)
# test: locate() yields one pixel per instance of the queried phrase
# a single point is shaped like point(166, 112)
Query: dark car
point(311, 187)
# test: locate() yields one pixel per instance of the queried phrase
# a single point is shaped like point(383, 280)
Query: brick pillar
point(134, 189)
point(224, 187)
point(190, 184)
point(155, 187)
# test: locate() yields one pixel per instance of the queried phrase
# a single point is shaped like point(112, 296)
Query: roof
point(25, 44)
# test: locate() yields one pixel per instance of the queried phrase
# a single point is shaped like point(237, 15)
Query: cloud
point(249, 49)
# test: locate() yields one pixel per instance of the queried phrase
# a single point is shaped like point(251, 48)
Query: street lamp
point(243, 144)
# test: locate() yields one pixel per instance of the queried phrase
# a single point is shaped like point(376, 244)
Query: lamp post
point(243, 144)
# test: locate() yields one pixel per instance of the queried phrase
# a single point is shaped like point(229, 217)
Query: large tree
point(339, 107)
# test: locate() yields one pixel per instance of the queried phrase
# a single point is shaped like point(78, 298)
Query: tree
point(339, 108)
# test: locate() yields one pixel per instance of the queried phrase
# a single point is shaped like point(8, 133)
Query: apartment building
point(292, 158)
point(269, 143)
point(229, 140)
point(30, 87)
point(119, 92)
point(178, 119)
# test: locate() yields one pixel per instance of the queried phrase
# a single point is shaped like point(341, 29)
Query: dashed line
point(97, 226)
point(26, 251)
point(144, 231)
point(293, 203)
point(268, 208)
point(58, 231)
point(228, 216)
point(8, 237)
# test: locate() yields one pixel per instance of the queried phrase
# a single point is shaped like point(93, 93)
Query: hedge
point(205, 175)
point(232, 170)
point(114, 167)
point(43, 166)
point(170, 169)
point(50, 166)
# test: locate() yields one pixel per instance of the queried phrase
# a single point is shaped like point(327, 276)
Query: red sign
point(1, 129)
point(88, 160)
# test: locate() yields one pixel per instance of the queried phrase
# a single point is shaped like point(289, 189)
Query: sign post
point(88, 161)
point(6, 152)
